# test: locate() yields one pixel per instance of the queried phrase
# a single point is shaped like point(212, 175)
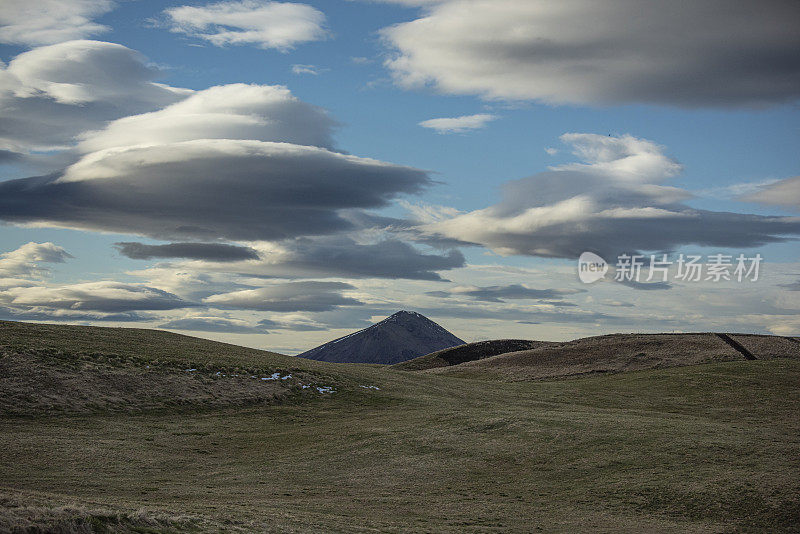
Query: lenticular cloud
point(615, 200)
point(238, 161)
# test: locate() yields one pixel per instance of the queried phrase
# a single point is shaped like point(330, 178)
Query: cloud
point(646, 286)
point(306, 69)
point(217, 252)
point(213, 324)
point(511, 291)
point(612, 202)
point(342, 256)
point(288, 297)
point(784, 193)
point(792, 286)
point(713, 53)
point(43, 22)
point(101, 296)
point(428, 213)
point(48, 315)
point(524, 316)
point(234, 111)
point(24, 261)
point(299, 325)
point(410, 3)
point(737, 191)
point(255, 22)
point(209, 189)
point(460, 124)
point(51, 94)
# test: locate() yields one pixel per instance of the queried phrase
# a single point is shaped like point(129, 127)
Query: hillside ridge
point(614, 353)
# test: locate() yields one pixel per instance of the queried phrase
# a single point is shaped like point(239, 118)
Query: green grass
point(706, 448)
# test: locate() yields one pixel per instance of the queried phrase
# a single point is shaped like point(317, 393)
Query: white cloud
point(42, 22)
point(460, 124)
point(709, 53)
point(213, 323)
point(612, 202)
point(428, 213)
point(257, 22)
point(306, 69)
point(411, 3)
point(235, 111)
point(102, 296)
point(735, 190)
point(240, 162)
point(25, 260)
point(287, 297)
point(52, 93)
point(784, 193)
point(623, 157)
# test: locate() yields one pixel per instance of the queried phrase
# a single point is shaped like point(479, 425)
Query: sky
point(279, 174)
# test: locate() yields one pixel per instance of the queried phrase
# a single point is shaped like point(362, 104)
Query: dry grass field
point(708, 447)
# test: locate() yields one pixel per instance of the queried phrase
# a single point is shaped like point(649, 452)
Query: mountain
point(399, 337)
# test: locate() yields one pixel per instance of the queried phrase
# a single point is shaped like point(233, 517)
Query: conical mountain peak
point(401, 336)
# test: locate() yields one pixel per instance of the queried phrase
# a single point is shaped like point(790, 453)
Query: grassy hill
point(617, 353)
point(132, 343)
point(701, 448)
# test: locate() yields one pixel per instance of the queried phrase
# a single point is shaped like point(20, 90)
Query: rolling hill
point(617, 353)
point(400, 337)
point(63, 369)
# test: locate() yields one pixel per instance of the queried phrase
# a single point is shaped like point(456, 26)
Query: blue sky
point(720, 103)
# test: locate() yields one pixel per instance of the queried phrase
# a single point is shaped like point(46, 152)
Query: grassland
point(705, 448)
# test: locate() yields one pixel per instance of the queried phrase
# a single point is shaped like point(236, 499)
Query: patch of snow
point(190, 370)
point(273, 376)
point(370, 387)
point(286, 377)
point(326, 389)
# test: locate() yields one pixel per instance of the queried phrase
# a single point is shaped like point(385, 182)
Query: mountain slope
point(399, 337)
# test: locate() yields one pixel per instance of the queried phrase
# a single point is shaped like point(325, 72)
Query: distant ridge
point(400, 337)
